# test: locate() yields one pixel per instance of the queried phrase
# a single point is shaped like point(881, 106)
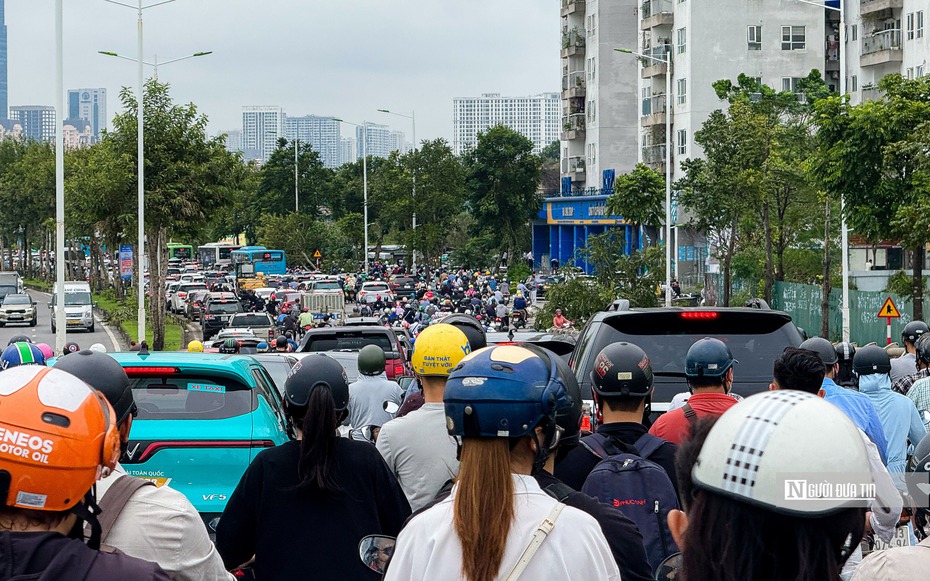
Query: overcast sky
point(344, 58)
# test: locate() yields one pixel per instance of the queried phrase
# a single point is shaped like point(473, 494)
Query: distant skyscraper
point(261, 128)
point(536, 117)
point(38, 121)
point(233, 140)
point(347, 151)
point(4, 87)
point(381, 140)
point(398, 141)
point(89, 104)
point(322, 133)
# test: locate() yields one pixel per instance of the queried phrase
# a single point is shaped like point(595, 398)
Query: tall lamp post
point(843, 228)
point(140, 284)
point(413, 120)
point(364, 126)
point(61, 325)
point(668, 162)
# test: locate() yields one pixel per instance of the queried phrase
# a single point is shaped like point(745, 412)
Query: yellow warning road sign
point(317, 254)
point(888, 310)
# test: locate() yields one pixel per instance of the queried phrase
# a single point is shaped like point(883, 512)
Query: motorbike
point(518, 319)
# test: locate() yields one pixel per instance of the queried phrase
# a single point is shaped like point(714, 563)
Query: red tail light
point(182, 294)
point(154, 447)
point(150, 370)
point(700, 315)
point(398, 370)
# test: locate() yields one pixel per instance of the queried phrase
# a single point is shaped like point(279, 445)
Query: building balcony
point(655, 13)
point(653, 68)
point(572, 43)
point(576, 168)
point(572, 6)
point(573, 127)
point(654, 156)
point(869, 7)
point(573, 85)
point(881, 47)
point(654, 110)
point(871, 93)
point(574, 107)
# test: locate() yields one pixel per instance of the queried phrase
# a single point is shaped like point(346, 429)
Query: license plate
point(74, 322)
point(16, 317)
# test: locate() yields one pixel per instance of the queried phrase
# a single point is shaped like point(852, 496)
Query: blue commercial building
point(90, 105)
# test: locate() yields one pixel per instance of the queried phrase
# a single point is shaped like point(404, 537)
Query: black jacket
point(297, 534)
point(52, 557)
point(574, 469)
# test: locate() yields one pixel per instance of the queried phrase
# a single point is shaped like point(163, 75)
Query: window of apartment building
point(793, 37)
point(853, 32)
point(790, 84)
point(754, 36)
point(682, 40)
point(682, 142)
point(920, 24)
point(920, 71)
point(910, 26)
point(592, 153)
point(682, 91)
point(854, 86)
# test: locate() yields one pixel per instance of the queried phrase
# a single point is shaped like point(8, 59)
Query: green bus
point(180, 251)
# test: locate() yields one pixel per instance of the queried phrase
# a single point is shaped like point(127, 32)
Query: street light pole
point(364, 127)
point(668, 162)
point(61, 323)
point(413, 120)
point(296, 190)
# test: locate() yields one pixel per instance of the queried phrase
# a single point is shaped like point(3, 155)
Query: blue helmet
point(21, 353)
point(503, 392)
point(708, 357)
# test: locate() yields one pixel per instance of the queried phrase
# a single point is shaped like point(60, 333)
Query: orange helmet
point(57, 437)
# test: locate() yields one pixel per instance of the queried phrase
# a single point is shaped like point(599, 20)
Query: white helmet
point(98, 347)
point(768, 449)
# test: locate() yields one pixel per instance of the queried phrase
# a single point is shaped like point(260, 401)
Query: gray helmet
point(821, 347)
point(913, 331)
point(708, 357)
point(371, 360)
point(871, 360)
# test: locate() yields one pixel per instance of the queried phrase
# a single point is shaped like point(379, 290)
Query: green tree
point(276, 193)
point(502, 178)
point(635, 276)
point(639, 196)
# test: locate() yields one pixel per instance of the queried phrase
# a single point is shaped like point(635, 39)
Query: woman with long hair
point(301, 508)
point(501, 403)
point(748, 512)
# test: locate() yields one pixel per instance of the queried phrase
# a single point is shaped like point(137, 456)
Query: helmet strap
point(87, 512)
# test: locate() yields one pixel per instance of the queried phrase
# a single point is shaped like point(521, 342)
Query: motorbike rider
point(21, 353)
point(230, 346)
point(559, 321)
point(369, 393)
point(304, 505)
point(306, 318)
point(501, 404)
point(907, 363)
point(47, 497)
point(195, 347)
point(155, 523)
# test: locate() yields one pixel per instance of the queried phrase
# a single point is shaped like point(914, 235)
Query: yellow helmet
point(195, 347)
point(438, 349)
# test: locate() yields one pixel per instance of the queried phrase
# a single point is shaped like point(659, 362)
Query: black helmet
point(70, 347)
point(230, 346)
point(922, 346)
point(622, 370)
point(19, 339)
point(871, 360)
point(913, 330)
point(371, 360)
point(104, 374)
point(313, 371)
point(281, 341)
point(708, 357)
point(821, 347)
point(472, 328)
point(845, 351)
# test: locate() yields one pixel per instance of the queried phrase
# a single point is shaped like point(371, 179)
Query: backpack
point(641, 489)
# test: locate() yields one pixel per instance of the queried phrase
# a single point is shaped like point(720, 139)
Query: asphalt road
point(42, 332)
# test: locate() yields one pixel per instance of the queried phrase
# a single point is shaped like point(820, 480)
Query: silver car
point(18, 308)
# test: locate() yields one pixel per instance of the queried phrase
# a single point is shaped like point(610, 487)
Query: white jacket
point(160, 525)
point(429, 548)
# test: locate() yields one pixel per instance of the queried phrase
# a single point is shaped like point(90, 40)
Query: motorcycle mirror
point(925, 416)
point(391, 407)
point(668, 570)
point(376, 551)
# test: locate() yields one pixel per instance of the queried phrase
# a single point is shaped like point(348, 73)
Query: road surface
point(42, 332)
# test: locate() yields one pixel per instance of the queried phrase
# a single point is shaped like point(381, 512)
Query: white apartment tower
point(261, 128)
point(600, 120)
point(381, 141)
point(322, 133)
point(536, 117)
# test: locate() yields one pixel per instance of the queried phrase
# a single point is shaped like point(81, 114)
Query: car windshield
point(190, 397)
point(223, 308)
point(347, 341)
point(77, 298)
point(17, 300)
point(278, 368)
point(375, 287)
point(326, 285)
point(250, 320)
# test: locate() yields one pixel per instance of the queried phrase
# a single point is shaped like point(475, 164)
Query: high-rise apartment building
point(38, 121)
point(322, 133)
point(381, 140)
point(261, 128)
point(536, 117)
point(347, 151)
point(4, 85)
point(89, 104)
point(233, 140)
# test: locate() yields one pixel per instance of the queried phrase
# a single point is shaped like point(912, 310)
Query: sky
point(344, 58)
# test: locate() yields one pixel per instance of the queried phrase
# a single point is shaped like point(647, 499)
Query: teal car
point(202, 419)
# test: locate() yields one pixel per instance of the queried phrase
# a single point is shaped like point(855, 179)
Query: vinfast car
point(202, 419)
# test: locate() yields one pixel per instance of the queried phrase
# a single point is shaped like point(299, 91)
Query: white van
point(79, 309)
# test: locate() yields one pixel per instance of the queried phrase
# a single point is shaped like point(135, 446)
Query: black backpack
point(641, 489)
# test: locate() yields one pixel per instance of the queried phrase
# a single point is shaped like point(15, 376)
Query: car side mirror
point(376, 551)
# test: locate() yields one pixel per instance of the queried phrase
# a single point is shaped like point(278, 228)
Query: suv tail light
point(398, 369)
point(700, 315)
point(182, 294)
point(150, 370)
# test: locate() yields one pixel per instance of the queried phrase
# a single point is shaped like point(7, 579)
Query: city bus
point(180, 251)
point(215, 254)
point(264, 261)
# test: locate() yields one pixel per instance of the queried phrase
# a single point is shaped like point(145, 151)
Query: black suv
point(755, 337)
point(217, 310)
point(348, 339)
